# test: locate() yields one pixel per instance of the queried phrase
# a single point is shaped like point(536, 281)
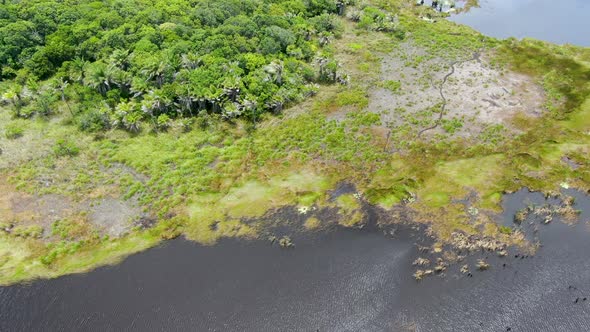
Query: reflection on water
point(342, 280)
point(563, 21)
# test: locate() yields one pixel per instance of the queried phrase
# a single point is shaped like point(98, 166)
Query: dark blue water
point(563, 21)
point(339, 280)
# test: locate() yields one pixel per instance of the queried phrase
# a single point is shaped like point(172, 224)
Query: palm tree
point(213, 98)
point(328, 69)
point(174, 62)
point(121, 79)
point(77, 70)
point(277, 103)
point(127, 116)
point(157, 72)
point(275, 72)
point(341, 7)
point(249, 107)
point(305, 31)
point(155, 103)
point(232, 93)
point(14, 96)
point(139, 86)
point(190, 61)
point(325, 38)
point(186, 99)
point(354, 14)
point(60, 85)
point(98, 76)
point(132, 122)
point(121, 59)
point(231, 88)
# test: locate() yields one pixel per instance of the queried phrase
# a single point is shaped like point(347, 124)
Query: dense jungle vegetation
point(118, 63)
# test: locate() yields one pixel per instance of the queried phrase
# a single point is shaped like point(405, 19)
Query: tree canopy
point(127, 61)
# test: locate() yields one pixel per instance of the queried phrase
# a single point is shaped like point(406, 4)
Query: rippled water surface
point(341, 280)
point(563, 21)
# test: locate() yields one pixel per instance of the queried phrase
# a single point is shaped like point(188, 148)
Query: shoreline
point(182, 284)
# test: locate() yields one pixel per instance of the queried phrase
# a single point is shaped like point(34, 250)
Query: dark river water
point(339, 280)
point(563, 21)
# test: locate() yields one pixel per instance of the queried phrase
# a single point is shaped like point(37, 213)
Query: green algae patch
point(386, 200)
point(12, 253)
point(492, 202)
point(580, 121)
point(437, 199)
point(312, 223)
point(252, 199)
point(348, 203)
point(214, 216)
point(20, 260)
point(446, 219)
point(564, 78)
point(350, 209)
point(456, 179)
point(390, 185)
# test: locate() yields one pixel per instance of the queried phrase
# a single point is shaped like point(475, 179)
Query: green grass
point(356, 97)
point(13, 130)
point(393, 86)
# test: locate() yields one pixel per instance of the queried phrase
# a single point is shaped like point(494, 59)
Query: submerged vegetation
point(124, 123)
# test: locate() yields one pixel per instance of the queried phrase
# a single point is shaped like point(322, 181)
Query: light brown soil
point(476, 94)
point(108, 215)
point(113, 216)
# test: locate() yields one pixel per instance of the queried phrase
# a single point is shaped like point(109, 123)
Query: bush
point(392, 86)
point(505, 230)
point(163, 122)
point(94, 121)
point(33, 231)
point(13, 131)
point(59, 250)
point(356, 97)
point(65, 148)
point(452, 126)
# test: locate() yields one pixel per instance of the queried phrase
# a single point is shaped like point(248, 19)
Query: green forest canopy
point(125, 61)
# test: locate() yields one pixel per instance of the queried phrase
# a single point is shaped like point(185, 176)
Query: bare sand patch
point(472, 93)
point(111, 216)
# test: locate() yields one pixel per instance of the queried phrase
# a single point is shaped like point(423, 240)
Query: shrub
point(505, 230)
point(33, 231)
point(451, 126)
point(163, 122)
point(392, 86)
point(13, 131)
point(94, 121)
point(65, 148)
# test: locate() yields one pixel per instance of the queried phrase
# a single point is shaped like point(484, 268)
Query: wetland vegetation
point(126, 123)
